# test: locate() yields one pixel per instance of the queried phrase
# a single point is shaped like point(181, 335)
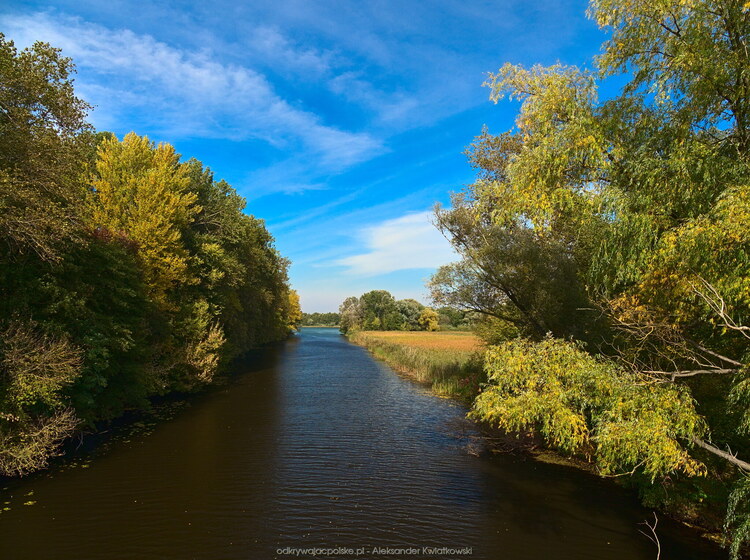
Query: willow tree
point(647, 196)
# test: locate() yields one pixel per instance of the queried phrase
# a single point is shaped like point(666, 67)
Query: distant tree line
point(320, 320)
point(609, 244)
point(125, 272)
point(378, 310)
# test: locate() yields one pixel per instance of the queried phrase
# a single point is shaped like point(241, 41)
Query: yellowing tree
point(428, 319)
point(141, 190)
point(295, 311)
point(637, 206)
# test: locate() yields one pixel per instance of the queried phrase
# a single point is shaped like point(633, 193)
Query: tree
point(351, 315)
point(141, 190)
point(452, 317)
point(379, 311)
point(42, 125)
point(428, 320)
point(410, 310)
point(510, 271)
point(631, 214)
point(690, 55)
point(321, 319)
point(295, 311)
point(124, 273)
point(583, 404)
point(34, 418)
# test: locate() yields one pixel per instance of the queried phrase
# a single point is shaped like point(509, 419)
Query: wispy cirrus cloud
point(275, 48)
point(388, 106)
point(190, 94)
point(404, 243)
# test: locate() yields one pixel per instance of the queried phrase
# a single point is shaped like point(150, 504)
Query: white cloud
point(188, 94)
point(405, 243)
point(270, 44)
point(390, 107)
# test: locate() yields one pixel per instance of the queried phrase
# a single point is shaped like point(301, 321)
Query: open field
point(454, 341)
point(450, 362)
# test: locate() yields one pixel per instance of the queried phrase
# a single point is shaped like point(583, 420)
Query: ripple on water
point(320, 445)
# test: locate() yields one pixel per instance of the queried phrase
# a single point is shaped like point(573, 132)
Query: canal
point(316, 444)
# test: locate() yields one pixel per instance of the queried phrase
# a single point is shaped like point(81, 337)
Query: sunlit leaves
point(581, 404)
point(34, 369)
point(553, 166)
point(690, 55)
point(140, 190)
point(294, 313)
point(428, 319)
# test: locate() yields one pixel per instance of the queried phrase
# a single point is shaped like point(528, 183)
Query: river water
point(316, 444)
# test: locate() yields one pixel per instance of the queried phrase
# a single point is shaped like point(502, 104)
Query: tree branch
point(653, 537)
point(719, 306)
point(690, 373)
point(723, 454)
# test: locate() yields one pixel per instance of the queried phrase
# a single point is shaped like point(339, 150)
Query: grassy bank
point(449, 362)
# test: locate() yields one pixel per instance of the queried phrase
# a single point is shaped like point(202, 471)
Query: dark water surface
point(321, 446)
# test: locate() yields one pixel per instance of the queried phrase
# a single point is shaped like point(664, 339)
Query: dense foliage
point(622, 225)
point(378, 310)
point(124, 272)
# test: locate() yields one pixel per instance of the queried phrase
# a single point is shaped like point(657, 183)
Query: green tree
point(379, 311)
point(511, 272)
point(635, 211)
point(321, 319)
point(351, 315)
point(410, 310)
point(41, 128)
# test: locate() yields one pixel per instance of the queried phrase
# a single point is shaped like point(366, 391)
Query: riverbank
point(451, 364)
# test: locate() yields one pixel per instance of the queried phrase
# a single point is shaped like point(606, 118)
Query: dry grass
point(448, 340)
point(450, 362)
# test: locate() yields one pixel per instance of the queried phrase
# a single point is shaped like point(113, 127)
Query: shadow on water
point(315, 444)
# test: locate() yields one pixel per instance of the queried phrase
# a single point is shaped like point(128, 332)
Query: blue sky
point(341, 122)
